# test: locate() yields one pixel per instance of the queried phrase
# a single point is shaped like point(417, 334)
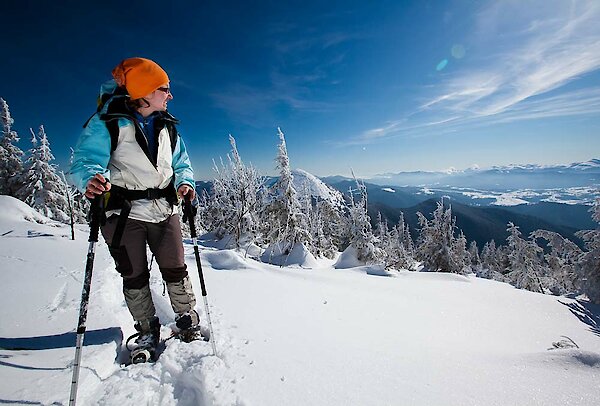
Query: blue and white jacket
point(131, 165)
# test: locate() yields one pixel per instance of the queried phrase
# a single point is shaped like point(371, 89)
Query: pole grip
point(96, 212)
point(189, 214)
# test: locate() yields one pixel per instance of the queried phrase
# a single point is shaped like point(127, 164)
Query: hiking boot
point(188, 326)
point(187, 320)
point(147, 341)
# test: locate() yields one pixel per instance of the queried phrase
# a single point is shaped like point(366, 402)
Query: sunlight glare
point(458, 51)
point(440, 66)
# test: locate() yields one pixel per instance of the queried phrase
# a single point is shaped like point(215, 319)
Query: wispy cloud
point(255, 105)
point(302, 59)
point(526, 53)
point(552, 54)
point(574, 103)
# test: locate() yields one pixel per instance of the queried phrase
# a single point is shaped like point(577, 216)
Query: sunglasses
point(166, 90)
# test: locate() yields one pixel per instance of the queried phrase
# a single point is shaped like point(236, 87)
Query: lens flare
point(458, 51)
point(440, 66)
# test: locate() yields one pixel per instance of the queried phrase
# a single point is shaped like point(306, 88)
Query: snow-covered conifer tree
point(399, 257)
point(327, 228)
point(70, 195)
point(491, 260)
point(562, 261)
point(235, 199)
point(405, 237)
point(285, 223)
point(488, 256)
point(204, 216)
point(381, 227)
point(43, 189)
point(361, 233)
point(11, 161)
point(436, 239)
point(590, 260)
point(474, 254)
point(460, 259)
point(310, 218)
point(384, 242)
point(524, 261)
point(211, 206)
point(80, 204)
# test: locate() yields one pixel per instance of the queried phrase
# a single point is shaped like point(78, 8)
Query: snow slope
point(287, 336)
point(316, 187)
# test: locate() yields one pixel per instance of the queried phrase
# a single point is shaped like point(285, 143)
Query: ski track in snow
point(185, 374)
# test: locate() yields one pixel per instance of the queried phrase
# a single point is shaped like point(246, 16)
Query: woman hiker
point(130, 151)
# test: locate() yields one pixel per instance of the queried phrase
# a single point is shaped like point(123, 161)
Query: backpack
point(118, 197)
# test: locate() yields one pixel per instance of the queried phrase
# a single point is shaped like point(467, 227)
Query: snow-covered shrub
point(525, 266)
point(437, 247)
point(233, 205)
point(561, 262)
point(590, 260)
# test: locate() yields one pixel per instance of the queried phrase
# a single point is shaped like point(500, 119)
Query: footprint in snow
point(59, 299)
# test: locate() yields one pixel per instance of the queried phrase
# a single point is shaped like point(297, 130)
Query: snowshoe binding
point(187, 328)
point(146, 340)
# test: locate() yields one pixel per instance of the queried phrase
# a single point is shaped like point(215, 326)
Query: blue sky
point(377, 86)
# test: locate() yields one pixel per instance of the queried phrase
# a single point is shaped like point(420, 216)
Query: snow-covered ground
point(286, 336)
point(574, 195)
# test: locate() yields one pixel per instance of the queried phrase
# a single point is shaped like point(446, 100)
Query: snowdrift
point(227, 259)
point(348, 259)
point(12, 210)
point(299, 256)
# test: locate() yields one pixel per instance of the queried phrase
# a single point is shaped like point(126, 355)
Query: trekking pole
point(95, 215)
point(190, 214)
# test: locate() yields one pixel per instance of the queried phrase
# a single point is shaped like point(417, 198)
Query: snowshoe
point(188, 329)
point(145, 350)
point(147, 339)
point(190, 334)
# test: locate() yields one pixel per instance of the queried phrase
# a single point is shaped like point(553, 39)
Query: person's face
point(158, 99)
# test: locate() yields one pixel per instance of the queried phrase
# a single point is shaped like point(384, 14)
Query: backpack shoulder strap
point(173, 135)
point(170, 123)
point(108, 91)
point(113, 129)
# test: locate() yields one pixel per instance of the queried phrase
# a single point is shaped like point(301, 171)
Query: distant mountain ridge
point(575, 216)
point(528, 176)
point(480, 224)
point(479, 219)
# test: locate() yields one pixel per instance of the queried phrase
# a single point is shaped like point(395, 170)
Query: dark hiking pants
point(165, 242)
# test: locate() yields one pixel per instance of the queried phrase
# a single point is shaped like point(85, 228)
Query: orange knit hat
point(140, 76)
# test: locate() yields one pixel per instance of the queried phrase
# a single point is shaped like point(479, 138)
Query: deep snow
point(286, 336)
